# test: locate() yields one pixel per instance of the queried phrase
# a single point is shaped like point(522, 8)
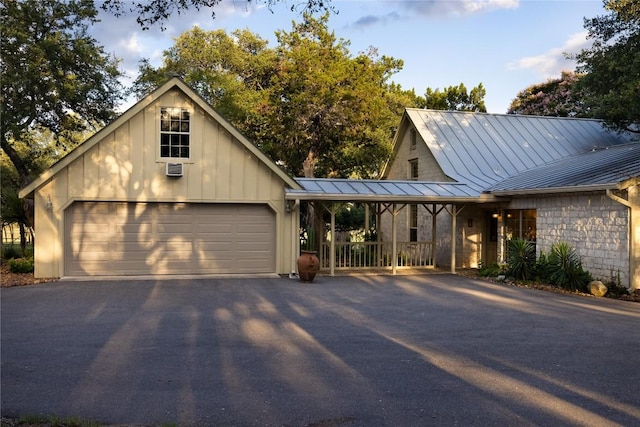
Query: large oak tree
point(308, 99)
point(611, 67)
point(56, 79)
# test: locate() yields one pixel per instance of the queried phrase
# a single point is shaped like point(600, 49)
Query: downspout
point(630, 238)
point(295, 238)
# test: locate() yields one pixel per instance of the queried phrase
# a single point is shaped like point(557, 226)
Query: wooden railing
point(376, 254)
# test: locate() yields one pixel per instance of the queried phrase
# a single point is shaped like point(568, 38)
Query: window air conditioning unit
point(174, 169)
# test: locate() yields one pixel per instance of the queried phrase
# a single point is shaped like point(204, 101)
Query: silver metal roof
point(484, 149)
point(607, 168)
point(382, 190)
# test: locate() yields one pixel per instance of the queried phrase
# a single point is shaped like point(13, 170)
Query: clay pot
point(308, 265)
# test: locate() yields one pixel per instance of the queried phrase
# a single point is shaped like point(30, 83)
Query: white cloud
point(551, 63)
point(463, 7)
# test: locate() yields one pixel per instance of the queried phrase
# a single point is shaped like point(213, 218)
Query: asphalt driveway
point(343, 351)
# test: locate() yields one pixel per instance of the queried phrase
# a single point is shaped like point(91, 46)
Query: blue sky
point(506, 45)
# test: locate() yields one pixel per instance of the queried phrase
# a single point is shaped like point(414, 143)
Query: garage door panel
point(164, 238)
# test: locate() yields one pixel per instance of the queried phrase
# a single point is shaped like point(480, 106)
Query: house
point(169, 187)
point(546, 179)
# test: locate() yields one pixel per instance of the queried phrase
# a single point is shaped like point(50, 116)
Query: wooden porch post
point(453, 237)
point(332, 250)
point(394, 243)
point(434, 240)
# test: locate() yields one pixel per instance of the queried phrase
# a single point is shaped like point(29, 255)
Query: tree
point(307, 99)
point(152, 12)
point(455, 98)
point(230, 71)
point(55, 78)
point(555, 97)
point(611, 66)
point(328, 113)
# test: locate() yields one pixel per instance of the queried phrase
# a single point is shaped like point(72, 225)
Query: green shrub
point(565, 268)
point(21, 265)
point(542, 268)
point(492, 270)
point(10, 251)
point(521, 258)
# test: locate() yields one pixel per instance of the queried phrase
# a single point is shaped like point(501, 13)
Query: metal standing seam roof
point(332, 189)
point(481, 149)
point(597, 169)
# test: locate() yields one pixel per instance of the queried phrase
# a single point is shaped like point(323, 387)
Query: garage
point(112, 238)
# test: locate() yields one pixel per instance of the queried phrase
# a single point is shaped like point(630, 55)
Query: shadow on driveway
point(357, 351)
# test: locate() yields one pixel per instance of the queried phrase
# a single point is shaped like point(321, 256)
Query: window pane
point(184, 152)
point(175, 151)
point(184, 140)
point(164, 151)
point(164, 139)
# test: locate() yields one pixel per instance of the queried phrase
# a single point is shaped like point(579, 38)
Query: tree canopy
point(308, 99)
point(455, 98)
point(56, 79)
point(555, 97)
point(156, 12)
point(611, 66)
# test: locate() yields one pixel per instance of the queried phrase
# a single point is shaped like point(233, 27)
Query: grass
point(55, 421)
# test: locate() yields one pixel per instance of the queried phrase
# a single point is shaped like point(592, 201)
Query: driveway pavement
point(421, 350)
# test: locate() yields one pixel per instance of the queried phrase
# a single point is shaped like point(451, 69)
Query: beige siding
point(125, 166)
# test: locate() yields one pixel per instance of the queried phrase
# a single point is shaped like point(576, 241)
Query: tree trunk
point(15, 158)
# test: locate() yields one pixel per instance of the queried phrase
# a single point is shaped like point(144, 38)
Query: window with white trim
point(174, 133)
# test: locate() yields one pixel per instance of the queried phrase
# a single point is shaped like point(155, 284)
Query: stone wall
point(596, 226)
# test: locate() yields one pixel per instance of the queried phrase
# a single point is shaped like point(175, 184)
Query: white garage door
point(168, 238)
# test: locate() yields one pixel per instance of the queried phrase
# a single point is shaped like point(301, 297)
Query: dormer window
point(174, 133)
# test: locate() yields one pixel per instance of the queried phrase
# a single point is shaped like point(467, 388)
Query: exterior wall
point(428, 168)
point(634, 200)
point(126, 166)
point(596, 226)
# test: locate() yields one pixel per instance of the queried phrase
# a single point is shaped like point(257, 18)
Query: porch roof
point(369, 190)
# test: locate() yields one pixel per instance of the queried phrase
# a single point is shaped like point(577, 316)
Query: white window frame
point(178, 134)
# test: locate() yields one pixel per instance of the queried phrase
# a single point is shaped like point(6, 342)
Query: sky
point(507, 45)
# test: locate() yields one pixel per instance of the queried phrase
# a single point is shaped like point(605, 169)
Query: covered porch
point(384, 200)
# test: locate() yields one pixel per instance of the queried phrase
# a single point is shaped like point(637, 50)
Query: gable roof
point(174, 82)
point(482, 150)
point(609, 168)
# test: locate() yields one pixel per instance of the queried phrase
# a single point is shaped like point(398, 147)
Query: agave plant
point(521, 258)
point(565, 267)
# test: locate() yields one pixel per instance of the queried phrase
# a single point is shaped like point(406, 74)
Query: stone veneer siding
point(596, 226)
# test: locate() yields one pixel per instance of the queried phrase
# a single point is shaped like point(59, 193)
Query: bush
point(492, 270)
point(565, 268)
point(521, 258)
point(542, 269)
point(21, 265)
point(10, 252)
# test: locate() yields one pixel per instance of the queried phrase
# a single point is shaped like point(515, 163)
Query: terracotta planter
point(308, 265)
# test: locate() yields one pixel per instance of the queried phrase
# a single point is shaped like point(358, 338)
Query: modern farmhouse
point(170, 187)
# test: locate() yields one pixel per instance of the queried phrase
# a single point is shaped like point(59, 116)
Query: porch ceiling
point(356, 190)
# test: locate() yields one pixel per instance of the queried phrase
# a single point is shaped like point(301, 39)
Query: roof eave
point(381, 198)
point(555, 190)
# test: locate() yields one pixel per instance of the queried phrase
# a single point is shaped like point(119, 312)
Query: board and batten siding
point(125, 166)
